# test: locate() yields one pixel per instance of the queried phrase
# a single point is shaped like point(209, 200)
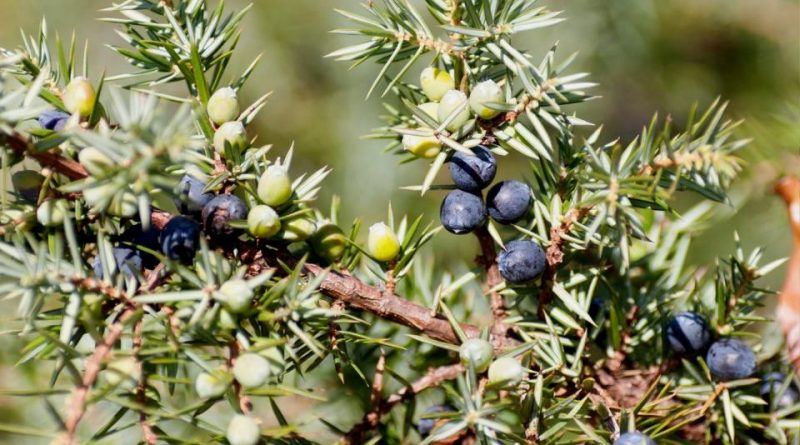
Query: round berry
point(476, 352)
point(54, 120)
point(190, 198)
point(123, 204)
point(232, 134)
point(506, 371)
point(473, 173)
point(634, 438)
point(223, 106)
point(136, 236)
point(688, 333)
point(298, 229)
point(521, 261)
point(382, 242)
point(431, 109)
point(426, 425)
point(263, 222)
point(462, 212)
point(127, 261)
point(274, 186)
point(770, 389)
point(731, 359)
point(28, 184)
point(218, 212)
point(210, 385)
point(425, 147)
point(508, 201)
point(251, 370)
point(95, 161)
point(243, 430)
point(51, 212)
point(79, 97)
point(454, 101)
point(329, 242)
point(236, 295)
point(483, 94)
point(123, 371)
point(435, 82)
point(180, 238)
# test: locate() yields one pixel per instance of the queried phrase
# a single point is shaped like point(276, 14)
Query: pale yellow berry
point(485, 93)
point(431, 109)
point(263, 221)
point(425, 147)
point(236, 295)
point(223, 106)
point(251, 370)
point(123, 204)
point(506, 371)
point(243, 430)
point(95, 161)
point(123, 371)
point(454, 102)
point(274, 186)
point(435, 82)
point(382, 243)
point(230, 133)
point(51, 212)
point(79, 97)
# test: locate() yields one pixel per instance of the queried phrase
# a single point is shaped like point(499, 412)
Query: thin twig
point(148, 435)
point(488, 259)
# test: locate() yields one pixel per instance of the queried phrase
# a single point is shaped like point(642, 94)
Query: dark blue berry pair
point(688, 334)
point(522, 261)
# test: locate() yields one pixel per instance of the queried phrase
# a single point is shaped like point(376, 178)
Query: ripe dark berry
point(473, 173)
point(127, 260)
point(770, 389)
point(180, 238)
point(522, 261)
point(190, 197)
point(462, 212)
point(688, 333)
point(634, 438)
point(27, 183)
point(219, 211)
point(135, 236)
point(508, 201)
point(731, 359)
point(53, 120)
point(425, 426)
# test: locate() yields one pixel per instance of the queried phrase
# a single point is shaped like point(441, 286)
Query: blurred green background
point(646, 55)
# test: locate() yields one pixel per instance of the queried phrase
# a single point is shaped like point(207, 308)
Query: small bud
point(382, 243)
point(274, 186)
point(452, 101)
point(263, 222)
point(95, 161)
point(231, 133)
point(79, 97)
point(251, 370)
point(236, 295)
point(435, 82)
point(223, 106)
point(243, 430)
point(210, 386)
point(483, 93)
point(425, 147)
point(51, 212)
point(329, 242)
point(506, 371)
point(476, 352)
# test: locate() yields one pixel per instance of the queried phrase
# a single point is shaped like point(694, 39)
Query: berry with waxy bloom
point(462, 212)
point(230, 133)
point(634, 438)
point(53, 120)
point(218, 213)
point(473, 173)
point(127, 261)
point(454, 102)
point(476, 352)
point(730, 359)
point(506, 371)
point(688, 333)
point(223, 106)
point(94, 161)
point(382, 242)
point(508, 201)
point(274, 186)
point(190, 198)
point(485, 93)
point(236, 295)
point(251, 370)
point(435, 82)
point(210, 385)
point(425, 147)
point(521, 261)
point(28, 184)
point(329, 242)
point(771, 391)
point(263, 221)
point(51, 212)
point(79, 97)
point(243, 430)
point(180, 238)
point(136, 237)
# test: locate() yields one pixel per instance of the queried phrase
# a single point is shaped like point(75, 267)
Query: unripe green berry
point(425, 147)
point(451, 101)
point(243, 430)
point(274, 186)
point(263, 221)
point(251, 370)
point(476, 352)
point(51, 212)
point(506, 371)
point(483, 93)
point(329, 242)
point(217, 263)
point(382, 243)
point(435, 82)
point(79, 97)
point(232, 133)
point(223, 106)
point(123, 371)
point(210, 385)
point(94, 161)
point(236, 295)
point(98, 195)
point(297, 229)
point(123, 205)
